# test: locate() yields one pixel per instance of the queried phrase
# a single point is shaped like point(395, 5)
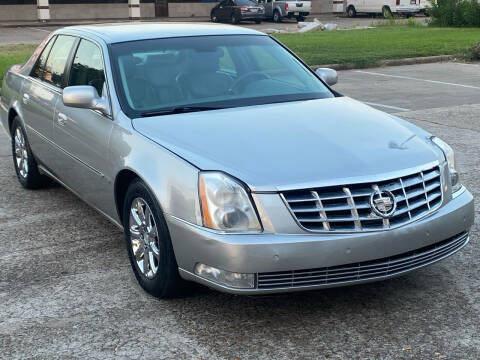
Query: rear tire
point(387, 13)
point(351, 12)
point(147, 237)
point(277, 17)
point(213, 17)
point(235, 19)
point(25, 164)
point(300, 18)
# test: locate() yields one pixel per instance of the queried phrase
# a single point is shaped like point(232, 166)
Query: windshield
point(209, 71)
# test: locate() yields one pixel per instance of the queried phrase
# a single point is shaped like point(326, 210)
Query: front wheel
point(25, 164)
point(148, 243)
point(213, 17)
point(258, 21)
point(300, 18)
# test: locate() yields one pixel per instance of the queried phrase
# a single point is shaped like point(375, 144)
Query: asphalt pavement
point(67, 290)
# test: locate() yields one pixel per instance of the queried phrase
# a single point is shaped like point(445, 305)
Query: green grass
point(365, 47)
point(13, 54)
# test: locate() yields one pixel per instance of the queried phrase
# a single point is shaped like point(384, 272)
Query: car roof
point(121, 32)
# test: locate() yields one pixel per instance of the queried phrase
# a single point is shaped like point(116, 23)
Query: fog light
point(227, 278)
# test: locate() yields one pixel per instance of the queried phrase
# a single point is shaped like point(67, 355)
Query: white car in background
point(385, 7)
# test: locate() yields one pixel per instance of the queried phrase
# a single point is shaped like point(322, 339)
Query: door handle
point(61, 119)
point(26, 98)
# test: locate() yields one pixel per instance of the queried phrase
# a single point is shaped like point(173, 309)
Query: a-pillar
point(43, 10)
point(134, 9)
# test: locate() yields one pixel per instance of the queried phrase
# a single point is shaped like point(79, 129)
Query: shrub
point(455, 13)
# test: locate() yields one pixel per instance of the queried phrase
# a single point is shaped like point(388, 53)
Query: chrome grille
point(363, 270)
point(346, 208)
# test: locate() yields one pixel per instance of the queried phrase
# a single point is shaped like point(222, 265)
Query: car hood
point(294, 145)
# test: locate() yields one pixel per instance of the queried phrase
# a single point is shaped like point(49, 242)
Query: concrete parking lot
point(67, 290)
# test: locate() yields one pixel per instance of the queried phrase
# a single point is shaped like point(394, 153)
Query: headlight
point(450, 156)
point(225, 204)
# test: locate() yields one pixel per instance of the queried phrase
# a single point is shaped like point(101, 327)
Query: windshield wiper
point(179, 110)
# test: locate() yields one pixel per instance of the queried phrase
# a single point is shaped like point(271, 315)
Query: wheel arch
point(122, 181)
point(12, 114)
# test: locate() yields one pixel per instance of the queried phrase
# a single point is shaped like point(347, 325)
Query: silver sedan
point(229, 162)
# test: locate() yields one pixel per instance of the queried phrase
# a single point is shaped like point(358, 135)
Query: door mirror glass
point(330, 76)
point(85, 97)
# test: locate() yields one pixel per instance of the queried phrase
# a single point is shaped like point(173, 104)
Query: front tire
point(258, 21)
point(25, 164)
point(148, 243)
point(213, 17)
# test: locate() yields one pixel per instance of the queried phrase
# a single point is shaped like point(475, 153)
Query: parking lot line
point(386, 106)
point(417, 79)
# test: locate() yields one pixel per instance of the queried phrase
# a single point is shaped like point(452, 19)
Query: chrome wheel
point(21, 154)
point(144, 238)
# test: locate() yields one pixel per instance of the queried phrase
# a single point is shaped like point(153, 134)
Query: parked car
point(235, 11)
point(229, 162)
point(385, 7)
point(276, 10)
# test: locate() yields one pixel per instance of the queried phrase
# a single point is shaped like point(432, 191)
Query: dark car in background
point(235, 11)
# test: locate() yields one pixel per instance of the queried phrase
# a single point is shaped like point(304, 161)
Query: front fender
point(172, 180)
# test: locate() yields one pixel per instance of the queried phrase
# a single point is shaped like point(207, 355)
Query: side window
point(87, 67)
point(55, 66)
point(39, 68)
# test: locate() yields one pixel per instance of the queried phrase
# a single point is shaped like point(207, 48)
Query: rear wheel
point(276, 16)
point(148, 243)
point(25, 164)
point(386, 12)
point(300, 18)
point(235, 19)
point(351, 12)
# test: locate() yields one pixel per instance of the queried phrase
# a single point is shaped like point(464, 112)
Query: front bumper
point(270, 252)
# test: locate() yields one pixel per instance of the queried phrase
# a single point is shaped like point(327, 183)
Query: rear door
point(83, 134)
point(40, 95)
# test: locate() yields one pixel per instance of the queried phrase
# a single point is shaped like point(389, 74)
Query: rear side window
point(39, 69)
point(57, 60)
point(87, 67)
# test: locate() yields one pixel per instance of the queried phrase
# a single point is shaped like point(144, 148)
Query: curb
point(392, 62)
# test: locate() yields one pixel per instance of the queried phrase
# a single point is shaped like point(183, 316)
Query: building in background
point(46, 10)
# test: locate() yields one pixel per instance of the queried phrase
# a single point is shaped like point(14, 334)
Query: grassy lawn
point(13, 54)
point(364, 47)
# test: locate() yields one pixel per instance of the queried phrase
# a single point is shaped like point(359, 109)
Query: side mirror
point(85, 97)
point(330, 76)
